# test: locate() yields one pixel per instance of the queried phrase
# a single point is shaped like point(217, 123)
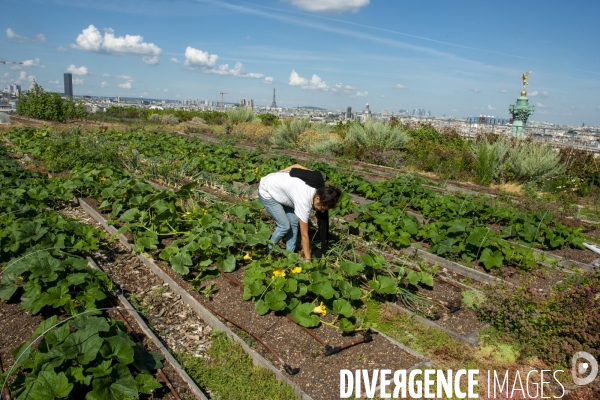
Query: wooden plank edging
point(148, 332)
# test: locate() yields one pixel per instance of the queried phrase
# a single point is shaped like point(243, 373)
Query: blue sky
point(456, 58)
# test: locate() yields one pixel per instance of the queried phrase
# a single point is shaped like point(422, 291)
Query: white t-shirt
point(289, 191)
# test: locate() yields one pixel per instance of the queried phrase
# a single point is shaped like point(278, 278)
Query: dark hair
point(329, 196)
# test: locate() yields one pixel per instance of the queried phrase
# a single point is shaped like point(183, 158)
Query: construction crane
point(10, 62)
point(222, 103)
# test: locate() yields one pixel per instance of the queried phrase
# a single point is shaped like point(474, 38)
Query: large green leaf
point(343, 307)
point(351, 268)
point(227, 264)
point(50, 385)
point(304, 317)
point(146, 384)
point(118, 347)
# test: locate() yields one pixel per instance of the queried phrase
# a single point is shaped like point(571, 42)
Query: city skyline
point(455, 59)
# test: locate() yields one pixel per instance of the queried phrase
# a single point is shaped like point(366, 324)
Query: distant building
point(349, 112)
point(250, 103)
point(367, 113)
point(68, 84)
point(242, 102)
point(15, 90)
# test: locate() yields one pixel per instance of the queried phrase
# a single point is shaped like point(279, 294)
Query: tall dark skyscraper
point(68, 85)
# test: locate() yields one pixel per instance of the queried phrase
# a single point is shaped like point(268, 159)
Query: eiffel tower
point(273, 104)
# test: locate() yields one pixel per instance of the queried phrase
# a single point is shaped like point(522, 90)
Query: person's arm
point(294, 166)
point(305, 239)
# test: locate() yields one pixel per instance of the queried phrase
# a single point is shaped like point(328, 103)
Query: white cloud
point(347, 90)
point(540, 94)
point(22, 76)
point(533, 94)
point(399, 86)
point(31, 78)
point(61, 49)
point(105, 75)
point(328, 6)
point(476, 91)
point(33, 63)
point(198, 58)
point(490, 107)
point(504, 91)
point(268, 79)
point(77, 81)
point(540, 105)
point(297, 80)
point(12, 35)
point(126, 77)
point(56, 82)
point(315, 82)
point(237, 70)
point(598, 108)
point(90, 39)
point(173, 59)
point(165, 90)
point(362, 94)
point(77, 70)
point(104, 84)
point(6, 74)
point(126, 85)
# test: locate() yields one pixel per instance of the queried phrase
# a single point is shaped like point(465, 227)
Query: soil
point(17, 327)
point(446, 299)
point(585, 256)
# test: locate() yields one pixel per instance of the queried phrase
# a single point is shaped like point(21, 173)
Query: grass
point(491, 355)
point(228, 373)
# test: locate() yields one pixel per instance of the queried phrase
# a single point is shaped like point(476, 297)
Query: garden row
point(45, 272)
point(227, 242)
point(469, 229)
point(196, 255)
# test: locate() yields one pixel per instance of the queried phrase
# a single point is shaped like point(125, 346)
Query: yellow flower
point(296, 270)
point(203, 156)
point(204, 211)
point(102, 179)
point(278, 272)
point(248, 257)
point(256, 170)
point(321, 309)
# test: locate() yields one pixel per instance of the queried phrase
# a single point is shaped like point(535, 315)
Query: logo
point(590, 365)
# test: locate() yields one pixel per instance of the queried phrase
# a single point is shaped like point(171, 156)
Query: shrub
point(253, 131)
point(488, 160)
point(552, 325)
point(316, 142)
point(198, 121)
point(239, 115)
point(377, 136)
point(269, 119)
point(286, 135)
point(445, 154)
point(170, 119)
point(535, 162)
point(154, 118)
point(581, 164)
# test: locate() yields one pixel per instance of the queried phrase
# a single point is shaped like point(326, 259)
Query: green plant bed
point(230, 374)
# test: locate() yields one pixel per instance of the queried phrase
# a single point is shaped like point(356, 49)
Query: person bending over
point(288, 196)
